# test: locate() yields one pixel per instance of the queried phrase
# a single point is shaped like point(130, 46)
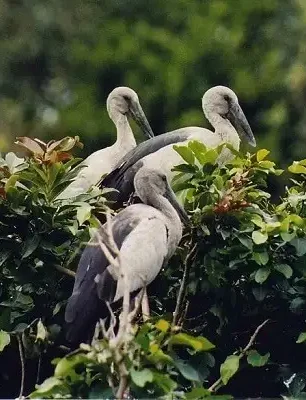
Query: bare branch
point(216, 385)
point(66, 271)
point(21, 355)
point(182, 291)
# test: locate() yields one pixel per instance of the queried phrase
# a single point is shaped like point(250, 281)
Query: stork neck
point(125, 137)
point(224, 129)
point(173, 221)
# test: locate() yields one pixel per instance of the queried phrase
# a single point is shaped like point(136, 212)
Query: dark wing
point(121, 178)
point(84, 307)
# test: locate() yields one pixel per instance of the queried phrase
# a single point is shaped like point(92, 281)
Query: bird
point(221, 108)
point(146, 234)
point(121, 103)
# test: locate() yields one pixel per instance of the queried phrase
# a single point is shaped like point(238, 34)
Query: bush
point(227, 311)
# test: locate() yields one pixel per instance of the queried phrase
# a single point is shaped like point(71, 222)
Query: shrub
point(227, 313)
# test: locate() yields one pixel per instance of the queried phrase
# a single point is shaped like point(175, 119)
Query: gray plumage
point(146, 235)
point(121, 103)
point(221, 107)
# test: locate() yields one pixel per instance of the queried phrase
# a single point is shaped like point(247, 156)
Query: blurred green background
point(60, 59)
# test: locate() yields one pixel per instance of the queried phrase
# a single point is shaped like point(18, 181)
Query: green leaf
point(186, 154)
point(211, 156)
point(301, 338)
point(30, 246)
point(229, 368)
point(46, 388)
point(296, 168)
point(41, 331)
point(65, 366)
point(187, 370)
point(259, 237)
point(261, 154)
point(198, 343)
point(199, 150)
point(246, 242)
point(266, 164)
point(284, 269)
point(262, 275)
point(142, 377)
point(157, 356)
point(83, 213)
point(300, 246)
point(197, 393)
point(257, 360)
point(10, 182)
point(287, 237)
point(164, 382)
point(261, 258)
point(4, 339)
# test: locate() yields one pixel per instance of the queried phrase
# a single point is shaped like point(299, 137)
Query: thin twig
point(183, 315)
point(21, 355)
point(181, 294)
point(66, 271)
point(122, 386)
point(216, 385)
point(38, 369)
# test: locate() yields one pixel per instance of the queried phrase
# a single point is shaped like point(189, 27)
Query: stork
point(146, 235)
point(221, 108)
point(121, 103)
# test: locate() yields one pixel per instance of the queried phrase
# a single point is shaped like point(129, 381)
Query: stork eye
point(126, 98)
point(226, 97)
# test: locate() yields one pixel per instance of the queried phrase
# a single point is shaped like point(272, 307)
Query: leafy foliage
point(40, 240)
point(243, 262)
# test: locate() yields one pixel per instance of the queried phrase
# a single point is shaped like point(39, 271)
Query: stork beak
point(237, 118)
point(178, 208)
point(140, 118)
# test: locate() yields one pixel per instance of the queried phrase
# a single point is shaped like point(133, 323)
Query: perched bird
point(221, 108)
point(146, 236)
point(121, 103)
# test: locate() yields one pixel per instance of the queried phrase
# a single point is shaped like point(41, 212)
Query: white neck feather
point(224, 129)
point(125, 137)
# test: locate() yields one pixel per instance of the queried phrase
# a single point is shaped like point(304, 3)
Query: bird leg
point(145, 305)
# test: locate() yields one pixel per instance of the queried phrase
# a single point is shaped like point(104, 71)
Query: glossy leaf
point(229, 368)
point(301, 338)
point(4, 339)
point(262, 275)
point(257, 360)
point(141, 377)
point(186, 154)
point(259, 237)
point(198, 343)
point(262, 154)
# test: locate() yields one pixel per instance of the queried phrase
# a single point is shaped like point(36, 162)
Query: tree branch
point(22, 367)
point(182, 291)
point(216, 385)
point(66, 271)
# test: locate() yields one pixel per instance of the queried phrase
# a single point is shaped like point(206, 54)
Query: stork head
point(150, 184)
point(223, 101)
point(124, 101)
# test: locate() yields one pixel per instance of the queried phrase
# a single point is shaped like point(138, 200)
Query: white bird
point(146, 235)
point(221, 108)
point(121, 103)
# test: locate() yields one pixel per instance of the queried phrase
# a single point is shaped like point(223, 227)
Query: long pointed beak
point(141, 120)
point(179, 209)
point(240, 123)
